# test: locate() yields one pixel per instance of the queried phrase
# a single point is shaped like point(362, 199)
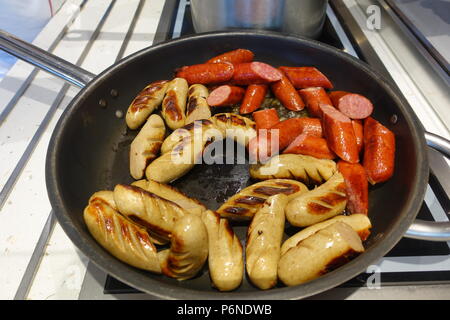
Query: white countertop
point(37, 260)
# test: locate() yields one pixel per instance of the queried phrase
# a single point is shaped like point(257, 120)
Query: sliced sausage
point(266, 118)
point(254, 73)
point(253, 98)
point(264, 236)
point(286, 93)
point(149, 99)
point(356, 186)
point(358, 128)
point(379, 151)
point(319, 204)
point(324, 251)
point(225, 95)
point(206, 73)
point(338, 131)
point(306, 77)
point(313, 98)
point(310, 146)
point(354, 106)
point(235, 57)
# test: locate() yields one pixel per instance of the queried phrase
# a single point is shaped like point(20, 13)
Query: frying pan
point(89, 149)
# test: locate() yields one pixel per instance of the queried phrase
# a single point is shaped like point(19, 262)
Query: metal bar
point(348, 47)
point(36, 258)
point(165, 22)
point(179, 19)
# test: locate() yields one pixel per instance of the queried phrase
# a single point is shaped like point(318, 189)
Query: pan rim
point(324, 283)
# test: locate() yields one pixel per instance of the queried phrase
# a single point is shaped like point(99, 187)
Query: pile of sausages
point(313, 179)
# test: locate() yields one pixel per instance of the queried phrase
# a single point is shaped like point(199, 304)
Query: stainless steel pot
point(297, 17)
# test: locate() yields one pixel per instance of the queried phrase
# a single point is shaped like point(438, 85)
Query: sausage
point(197, 108)
point(244, 204)
point(286, 93)
point(338, 131)
point(313, 97)
point(253, 98)
point(379, 151)
point(171, 193)
point(311, 126)
point(236, 127)
point(225, 257)
point(324, 251)
point(121, 237)
point(156, 214)
point(356, 186)
point(309, 170)
point(266, 118)
point(254, 73)
point(184, 132)
point(145, 147)
point(264, 236)
point(306, 77)
point(358, 128)
point(174, 103)
point(275, 139)
point(235, 57)
point(149, 99)
point(106, 196)
point(310, 146)
point(354, 106)
point(326, 201)
point(206, 73)
point(225, 95)
point(359, 222)
point(188, 249)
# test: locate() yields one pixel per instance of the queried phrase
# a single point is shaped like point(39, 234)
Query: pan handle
point(430, 230)
point(44, 60)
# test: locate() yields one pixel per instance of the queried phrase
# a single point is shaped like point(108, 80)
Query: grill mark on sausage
point(339, 261)
point(236, 210)
point(192, 105)
point(270, 191)
point(332, 198)
point(250, 200)
point(150, 227)
point(317, 208)
point(171, 107)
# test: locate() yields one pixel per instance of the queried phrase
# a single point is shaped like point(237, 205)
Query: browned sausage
point(254, 73)
point(207, 73)
point(225, 95)
point(286, 93)
point(379, 151)
point(254, 97)
point(359, 133)
point(235, 57)
point(356, 186)
point(305, 77)
point(354, 106)
point(313, 97)
point(310, 146)
point(338, 131)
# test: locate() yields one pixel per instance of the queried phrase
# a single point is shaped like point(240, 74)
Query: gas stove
point(409, 264)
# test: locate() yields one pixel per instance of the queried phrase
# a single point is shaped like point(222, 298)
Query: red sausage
point(310, 146)
point(359, 133)
point(311, 126)
point(286, 131)
point(266, 119)
point(379, 151)
point(254, 73)
point(338, 131)
point(356, 186)
point(225, 96)
point(305, 77)
point(353, 105)
point(286, 93)
point(235, 57)
point(254, 97)
point(313, 97)
point(207, 73)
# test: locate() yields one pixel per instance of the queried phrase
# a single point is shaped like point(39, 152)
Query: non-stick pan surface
point(89, 152)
